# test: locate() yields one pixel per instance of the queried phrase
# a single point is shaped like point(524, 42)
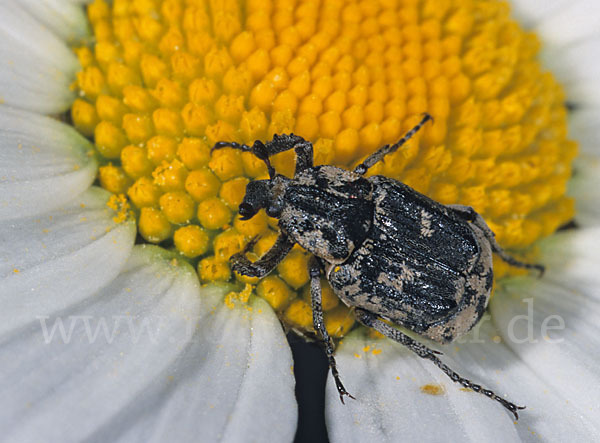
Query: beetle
point(388, 251)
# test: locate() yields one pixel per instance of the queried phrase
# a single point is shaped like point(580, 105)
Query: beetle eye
point(246, 211)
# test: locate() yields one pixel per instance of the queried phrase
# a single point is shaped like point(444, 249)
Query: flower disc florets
point(165, 80)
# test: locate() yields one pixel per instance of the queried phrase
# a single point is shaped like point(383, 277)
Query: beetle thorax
point(327, 210)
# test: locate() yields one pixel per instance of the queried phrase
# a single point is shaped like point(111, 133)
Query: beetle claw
point(345, 394)
point(541, 269)
point(514, 410)
point(342, 390)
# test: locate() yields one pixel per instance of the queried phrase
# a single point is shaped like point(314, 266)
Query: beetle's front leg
point(285, 142)
point(469, 214)
point(265, 264)
point(258, 149)
point(319, 324)
point(280, 143)
point(373, 321)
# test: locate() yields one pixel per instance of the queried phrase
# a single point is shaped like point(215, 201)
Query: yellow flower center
point(165, 80)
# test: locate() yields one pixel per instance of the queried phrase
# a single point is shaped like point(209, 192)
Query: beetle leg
point(373, 321)
point(234, 145)
point(285, 142)
point(304, 156)
point(378, 155)
point(265, 264)
point(469, 214)
point(319, 324)
point(258, 149)
point(465, 212)
point(303, 148)
point(280, 143)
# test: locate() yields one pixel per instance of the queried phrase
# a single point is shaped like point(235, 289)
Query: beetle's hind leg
point(378, 155)
point(265, 264)
point(469, 214)
point(373, 321)
point(319, 324)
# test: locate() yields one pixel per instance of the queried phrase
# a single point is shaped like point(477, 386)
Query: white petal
point(60, 258)
point(530, 12)
point(552, 324)
point(572, 259)
point(486, 360)
point(37, 68)
point(584, 126)
point(583, 93)
point(575, 20)
point(233, 383)
point(577, 67)
point(390, 406)
point(65, 19)
point(584, 188)
point(492, 363)
point(575, 62)
point(66, 387)
point(172, 363)
point(43, 163)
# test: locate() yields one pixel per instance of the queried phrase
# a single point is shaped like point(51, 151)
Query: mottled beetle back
point(415, 265)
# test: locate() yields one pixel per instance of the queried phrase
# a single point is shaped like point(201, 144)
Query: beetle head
point(258, 196)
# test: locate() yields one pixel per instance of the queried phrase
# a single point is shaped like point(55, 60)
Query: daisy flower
point(121, 319)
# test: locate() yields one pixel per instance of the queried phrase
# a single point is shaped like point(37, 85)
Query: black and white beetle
point(387, 250)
